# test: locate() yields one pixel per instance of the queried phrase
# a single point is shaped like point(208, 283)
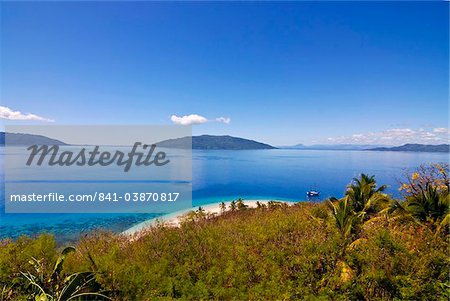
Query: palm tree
point(427, 198)
point(240, 204)
point(365, 197)
point(343, 215)
point(200, 213)
point(223, 207)
point(428, 206)
point(233, 205)
point(345, 220)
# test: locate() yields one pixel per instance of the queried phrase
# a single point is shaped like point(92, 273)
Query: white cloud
point(188, 119)
point(396, 136)
point(194, 119)
point(7, 113)
point(225, 120)
point(441, 130)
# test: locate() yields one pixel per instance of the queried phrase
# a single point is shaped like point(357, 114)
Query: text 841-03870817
point(139, 197)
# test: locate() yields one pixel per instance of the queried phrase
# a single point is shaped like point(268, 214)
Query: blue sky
point(283, 73)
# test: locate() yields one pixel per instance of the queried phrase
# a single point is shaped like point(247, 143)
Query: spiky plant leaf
point(59, 263)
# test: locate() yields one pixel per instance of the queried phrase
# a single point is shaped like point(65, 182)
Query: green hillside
point(365, 246)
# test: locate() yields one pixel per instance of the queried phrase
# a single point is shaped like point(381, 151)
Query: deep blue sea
point(225, 175)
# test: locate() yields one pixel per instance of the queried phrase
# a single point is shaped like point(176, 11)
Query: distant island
point(211, 142)
point(331, 146)
point(27, 139)
point(441, 148)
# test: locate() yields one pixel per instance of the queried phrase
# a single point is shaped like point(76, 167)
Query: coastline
point(174, 218)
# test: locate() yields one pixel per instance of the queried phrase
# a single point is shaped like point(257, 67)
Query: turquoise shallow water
point(226, 175)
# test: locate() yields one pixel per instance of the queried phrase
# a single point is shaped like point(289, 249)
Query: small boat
point(312, 193)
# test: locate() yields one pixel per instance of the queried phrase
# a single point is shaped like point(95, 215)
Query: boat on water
point(312, 193)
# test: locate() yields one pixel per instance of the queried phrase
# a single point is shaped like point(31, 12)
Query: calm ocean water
point(226, 175)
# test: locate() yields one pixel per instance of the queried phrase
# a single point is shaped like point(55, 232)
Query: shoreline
point(174, 218)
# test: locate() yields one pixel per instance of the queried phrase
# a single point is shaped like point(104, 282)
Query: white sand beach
point(174, 219)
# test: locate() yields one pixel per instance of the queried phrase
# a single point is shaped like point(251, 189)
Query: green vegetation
point(60, 287)
point(427, 198)
point(364, 246)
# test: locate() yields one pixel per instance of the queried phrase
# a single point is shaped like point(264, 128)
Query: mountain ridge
point(415, 147)
point(213, 142)
point(28, 139)
point(331, 146)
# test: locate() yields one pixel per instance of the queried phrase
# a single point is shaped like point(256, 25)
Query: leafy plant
point(343, 215)
point(223, 207)
point(233, 206)
point(59, 287)
point(427, 198)
point(365, 197)
point(241, 205)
